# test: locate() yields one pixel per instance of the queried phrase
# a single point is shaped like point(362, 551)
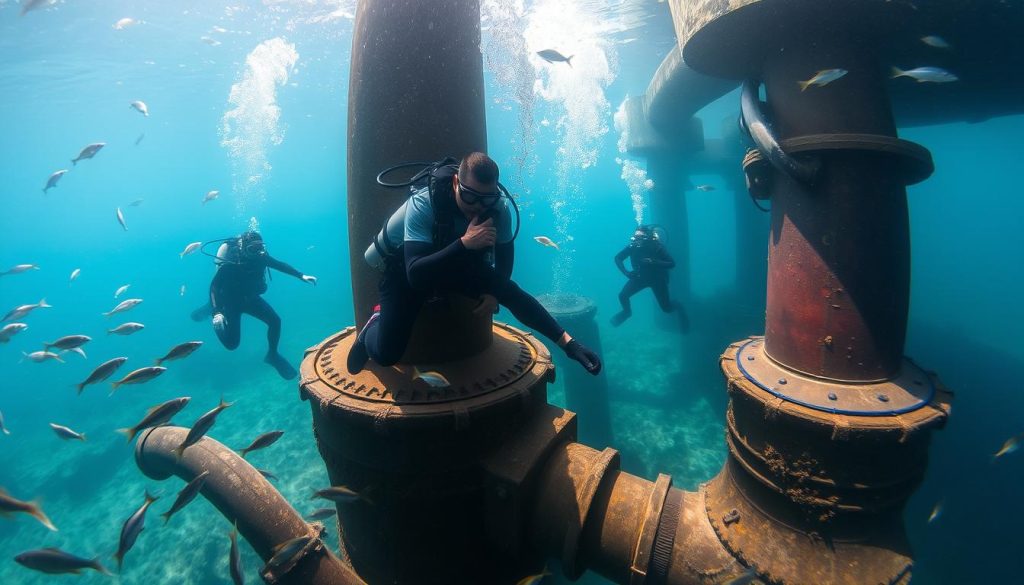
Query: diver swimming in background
point(454, 237)
point(651, 263)
point(240, 280)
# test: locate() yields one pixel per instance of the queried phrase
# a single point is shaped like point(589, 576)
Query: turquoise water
point(249, 98)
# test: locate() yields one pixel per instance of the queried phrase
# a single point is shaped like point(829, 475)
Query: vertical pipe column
point(586, 395)
point(839, 255)
point(668, 208)
point(415, 94)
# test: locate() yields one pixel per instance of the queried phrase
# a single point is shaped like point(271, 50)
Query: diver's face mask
point(253, 248)
point(471, 196)
point(639, 238)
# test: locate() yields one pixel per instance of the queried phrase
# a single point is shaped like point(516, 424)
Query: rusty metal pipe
point(264, 518)
point(630, 530)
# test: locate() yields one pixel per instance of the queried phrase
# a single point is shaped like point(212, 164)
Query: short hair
point(479, 166)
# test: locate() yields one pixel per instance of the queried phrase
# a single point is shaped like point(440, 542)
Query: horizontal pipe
point(264, 518)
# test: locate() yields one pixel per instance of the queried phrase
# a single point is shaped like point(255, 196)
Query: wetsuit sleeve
point(282, 266)
point(662, 259)
point(217, 289)
point(619, 261)
point(504, 259)
point(424, 267)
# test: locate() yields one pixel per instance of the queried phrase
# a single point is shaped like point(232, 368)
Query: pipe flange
point(911, 390)
point(785, 554)
point(914, 162)
point(315, 545)
point(513, 356)
point(644, 549)
point(572, 566)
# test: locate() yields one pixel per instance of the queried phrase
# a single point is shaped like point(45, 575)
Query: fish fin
point(36, 512)
point(568, 61)
point(242, 452)
point(99, 567)
point(804, 84)
point(179, 452)
point(150, 498)
point(166, 516)
point(82, 436)
point(58, 359)
point(159, 361)
point(23, 356)
point(107, 315)
point(897, 72)
point(6, 432)
point(43, 305)
point(119, 557)
point(129, 433)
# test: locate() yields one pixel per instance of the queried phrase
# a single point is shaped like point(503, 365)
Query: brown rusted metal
point(263, 517)
point(418, 451)
point(816, 492)
point(413, 96)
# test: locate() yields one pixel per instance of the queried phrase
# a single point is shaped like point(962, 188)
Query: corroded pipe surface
point(264, 518)
point(630, 530)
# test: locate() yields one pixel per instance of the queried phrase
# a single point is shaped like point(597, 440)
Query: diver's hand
point(587, 358)
point(479, 235)
point(309, 278)
point(488, 305)
point(219, 322)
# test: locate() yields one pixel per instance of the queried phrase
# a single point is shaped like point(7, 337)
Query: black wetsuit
point(651, 263)
point(425, 270)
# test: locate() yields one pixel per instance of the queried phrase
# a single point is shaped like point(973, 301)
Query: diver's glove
point(219, 322)
point(579, 352)
point(309, 278)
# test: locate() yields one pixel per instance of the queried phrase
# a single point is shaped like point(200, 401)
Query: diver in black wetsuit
point(241, 278)
point(651, 263)
point(453, 238)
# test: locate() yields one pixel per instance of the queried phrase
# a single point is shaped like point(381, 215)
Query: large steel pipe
point(416, 93)
point(264, 518)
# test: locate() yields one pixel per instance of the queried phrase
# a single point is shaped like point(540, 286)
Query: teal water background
point(249, 98)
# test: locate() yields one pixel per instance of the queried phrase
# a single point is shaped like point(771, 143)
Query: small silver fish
point(189, 249)
point(553, 56)
point(54, 178)
point(55, 561)
point(136, 203)
point(123, 306)
point(9, 504)
point(102, 372)
point(132, 528)
point(66, 433)
point(286, 551)
point(321, 514)
point(126, 328)
point(139, 106)
point(935, 41)
point(1008, 447)
point(199, 429)
point(545, 241)
point(19, 269)
point(340, 494)
point(705, 188)
point(77, 350)
point(160, 414)
point(121, 290)
point(3, 429)
point(68, 342)
point(139, 376)
point(181, 292)
point(534, 579)
point(267, 474)
point(210, 196)
point(41, 356)
point(74, 275)
point(180, 351)
point(19, 312)
point(936, 512)
point(10, 330)
point(261, 442)
point(120, 219)
point(235, 558)
point(30, 5)
point(121, 25)
point(139, 139)
point(88, 152)
point(823, 77)
point(434, 379)
point(925, 74)
point(186, 495)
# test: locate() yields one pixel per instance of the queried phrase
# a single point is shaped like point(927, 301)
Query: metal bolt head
point(750, 358)
point(782, 381)
point(883, 397)
point(832, 396)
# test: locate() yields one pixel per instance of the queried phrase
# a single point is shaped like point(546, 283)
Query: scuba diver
point(240, 280)
point(651, 263)
point(454, 236)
